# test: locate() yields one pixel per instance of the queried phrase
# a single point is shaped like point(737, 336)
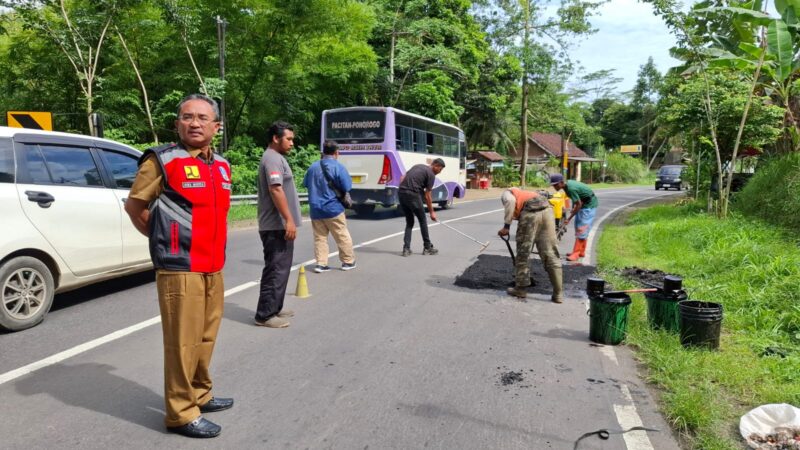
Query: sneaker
point(430, 251)
point(273, 322)
point(349, 266)
point(319, 269)
point(285, 313)
point(406, 251)
point(517, 292)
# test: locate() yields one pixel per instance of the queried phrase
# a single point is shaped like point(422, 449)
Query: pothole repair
point(497, 273)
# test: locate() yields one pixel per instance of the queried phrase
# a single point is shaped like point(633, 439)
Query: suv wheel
point(26, 293)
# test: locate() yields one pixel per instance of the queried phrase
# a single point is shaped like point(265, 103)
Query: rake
point(483, 244)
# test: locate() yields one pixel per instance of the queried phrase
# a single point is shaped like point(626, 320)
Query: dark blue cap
point(556, 178)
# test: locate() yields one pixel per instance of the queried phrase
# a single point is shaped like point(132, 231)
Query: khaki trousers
point(191, 310)
point(337, 227)
point(536, 227)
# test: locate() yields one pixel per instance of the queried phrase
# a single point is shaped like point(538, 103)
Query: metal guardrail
point(253, 199)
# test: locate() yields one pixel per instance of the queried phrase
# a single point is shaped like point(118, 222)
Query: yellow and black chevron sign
point(30, 119)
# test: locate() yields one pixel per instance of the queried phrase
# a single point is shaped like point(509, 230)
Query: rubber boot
point(516, 291)
point(583, 248)
point(576, 250)
point(556, 279)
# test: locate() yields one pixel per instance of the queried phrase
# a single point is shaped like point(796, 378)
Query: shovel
point(513, 258)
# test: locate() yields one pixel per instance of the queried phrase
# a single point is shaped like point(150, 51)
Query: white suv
point(62, 222)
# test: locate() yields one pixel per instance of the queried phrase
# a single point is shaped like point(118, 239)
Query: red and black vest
point(188, 221)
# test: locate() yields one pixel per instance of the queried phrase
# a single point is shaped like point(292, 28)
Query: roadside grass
point(644, 182)
point(753, 270)
point(647, 180)
point(239, 213)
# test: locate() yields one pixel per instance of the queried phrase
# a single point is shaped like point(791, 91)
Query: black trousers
point(278, 253)
point(412, 206)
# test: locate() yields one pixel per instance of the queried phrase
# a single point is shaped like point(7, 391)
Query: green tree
point(79, 30)
point(684, 111)
point(522, 27)
point(487, 105)
point(429, 51)
point(644, 98)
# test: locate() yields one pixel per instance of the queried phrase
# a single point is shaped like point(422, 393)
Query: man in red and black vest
point(180, 201)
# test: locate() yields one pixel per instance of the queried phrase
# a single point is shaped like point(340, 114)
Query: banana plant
point(739, 50)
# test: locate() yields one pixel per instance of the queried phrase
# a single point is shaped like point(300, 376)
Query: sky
point(628, 33)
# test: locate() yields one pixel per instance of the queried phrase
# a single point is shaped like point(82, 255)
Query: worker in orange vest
point(535, 224)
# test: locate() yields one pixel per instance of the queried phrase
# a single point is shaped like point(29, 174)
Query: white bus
point(378, 144)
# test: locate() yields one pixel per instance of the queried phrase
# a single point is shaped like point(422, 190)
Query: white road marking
point(628, 417)
point(58, 357)
point(609, 353)
point(389, 236)
point(85, 347)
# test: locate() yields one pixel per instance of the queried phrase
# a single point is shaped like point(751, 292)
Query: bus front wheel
point(364, 209)
point(447, 204)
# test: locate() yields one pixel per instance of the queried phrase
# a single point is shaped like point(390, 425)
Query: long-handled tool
point(630, 291)
point(483, 244)
point(513, 258)
point(508, 244)
point(562, 229)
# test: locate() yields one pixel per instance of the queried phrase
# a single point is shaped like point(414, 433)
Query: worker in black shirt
point(418, 181)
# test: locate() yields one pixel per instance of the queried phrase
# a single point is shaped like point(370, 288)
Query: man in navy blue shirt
point(323, 179)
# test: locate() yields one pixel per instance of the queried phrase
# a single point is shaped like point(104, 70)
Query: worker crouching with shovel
point(536, 224)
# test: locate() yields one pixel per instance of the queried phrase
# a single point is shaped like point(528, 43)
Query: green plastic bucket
point(662, 309)
point(608, 315)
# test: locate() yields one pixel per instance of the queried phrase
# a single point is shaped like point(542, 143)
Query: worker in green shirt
point(584, 208)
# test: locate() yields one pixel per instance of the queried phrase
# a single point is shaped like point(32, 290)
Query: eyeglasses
point(201, 119)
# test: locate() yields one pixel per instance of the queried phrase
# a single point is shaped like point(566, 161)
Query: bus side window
point(420, 141)
point(438, 144)
point(398, 143)
point(429, 143)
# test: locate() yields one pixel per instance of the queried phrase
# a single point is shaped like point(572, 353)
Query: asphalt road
point(390, 355)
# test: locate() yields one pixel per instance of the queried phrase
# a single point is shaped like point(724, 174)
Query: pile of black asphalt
point(496, 272)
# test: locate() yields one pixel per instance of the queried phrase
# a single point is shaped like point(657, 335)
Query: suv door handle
point(42, 198)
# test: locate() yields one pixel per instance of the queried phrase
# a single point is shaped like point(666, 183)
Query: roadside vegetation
point(773, 194)
point(246, 213)
point(749, 266)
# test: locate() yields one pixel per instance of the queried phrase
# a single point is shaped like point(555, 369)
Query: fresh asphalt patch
point(496, 272)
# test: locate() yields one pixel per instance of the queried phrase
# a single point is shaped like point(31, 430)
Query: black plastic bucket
point(662, 309)
point(701, 323)
point(608, 322)
point(595, 286)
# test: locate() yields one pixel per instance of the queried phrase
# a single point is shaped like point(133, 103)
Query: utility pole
point(564, 153)
point(221, 24)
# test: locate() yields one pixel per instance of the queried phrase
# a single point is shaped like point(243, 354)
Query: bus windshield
point(355, 127)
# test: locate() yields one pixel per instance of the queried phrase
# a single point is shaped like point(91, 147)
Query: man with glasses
point(278, 219)
point(180, 200)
